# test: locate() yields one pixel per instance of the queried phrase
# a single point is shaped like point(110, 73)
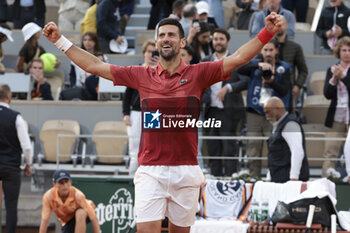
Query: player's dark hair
point(169, 21)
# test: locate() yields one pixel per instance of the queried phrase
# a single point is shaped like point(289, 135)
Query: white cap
point(118, 48)
point(202, 7)
point(29, 30)
point(7, 33)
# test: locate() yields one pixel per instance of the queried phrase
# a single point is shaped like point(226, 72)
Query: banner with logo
point(114, 200)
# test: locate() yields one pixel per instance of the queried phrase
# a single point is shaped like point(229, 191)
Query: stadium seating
point(314, 149)
point(317, 82)
point(67, 145)
point(56, 86)
point(315, 109)
point(109, 150)
point(19, 83)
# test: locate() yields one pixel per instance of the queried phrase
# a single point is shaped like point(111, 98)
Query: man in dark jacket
point(291, 52)
point(332, 25)
point(287, 156)
point(14, 140)
point(108, 23)
point(24, 13)
point(224, 102)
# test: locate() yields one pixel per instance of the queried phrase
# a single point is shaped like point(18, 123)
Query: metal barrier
point(238, 138)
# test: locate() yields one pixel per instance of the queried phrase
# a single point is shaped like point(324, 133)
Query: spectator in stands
point(203, 15)
point(245, 14)
point(28, 11)
point(347, 155)
point(292, 52)
point(287, 158)
point(201, 42)
point(31, 48)
point(132, 108)
point(178, 6)
point(14, 140)
point(4, 11)
point(337, 89)
point(262, 4)
point(125, 13)
point(216, 10)
point(91, 82)
point(268, 77)
point(89, 43)
point(189, 13)
point(41, 88)
point(89, 22)
point(224, 102)
point(187, 54)
point(272, 6)
point(5, 33)
point(71, 13)
point(160, 10)
point(332, 25)
point(70, 205)
point(108, 27)
point(299, 6)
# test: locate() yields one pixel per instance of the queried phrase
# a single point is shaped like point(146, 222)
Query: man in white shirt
point(14, 140)
point(286, 157)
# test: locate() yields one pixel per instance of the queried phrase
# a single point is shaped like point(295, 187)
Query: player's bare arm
point(82, 58)
point(250, 49)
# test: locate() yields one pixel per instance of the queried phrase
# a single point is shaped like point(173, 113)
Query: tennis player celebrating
point(168, 178)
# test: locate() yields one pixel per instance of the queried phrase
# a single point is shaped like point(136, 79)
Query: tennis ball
point(49, 62)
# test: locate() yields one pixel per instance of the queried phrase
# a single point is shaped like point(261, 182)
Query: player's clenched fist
point(51, 32)
point(273, 22)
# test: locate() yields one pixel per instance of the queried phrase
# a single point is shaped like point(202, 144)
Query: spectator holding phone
point(201, 42)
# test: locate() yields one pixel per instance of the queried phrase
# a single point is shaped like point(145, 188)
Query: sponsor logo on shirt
point(182, 81)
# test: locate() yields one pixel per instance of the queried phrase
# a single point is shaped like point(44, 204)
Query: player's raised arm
point(82, 58)
point(250, 49)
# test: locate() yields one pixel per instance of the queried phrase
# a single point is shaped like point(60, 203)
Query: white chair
point(109, 150)
point(67, 145)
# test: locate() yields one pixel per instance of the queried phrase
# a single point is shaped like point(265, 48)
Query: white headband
point(7, 33)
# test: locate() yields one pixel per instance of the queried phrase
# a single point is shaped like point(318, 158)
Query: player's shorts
point(171, 191)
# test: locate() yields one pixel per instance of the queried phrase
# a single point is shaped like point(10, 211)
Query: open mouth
point(166, 48)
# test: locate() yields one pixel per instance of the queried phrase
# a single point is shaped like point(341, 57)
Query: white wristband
point(63, 44)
